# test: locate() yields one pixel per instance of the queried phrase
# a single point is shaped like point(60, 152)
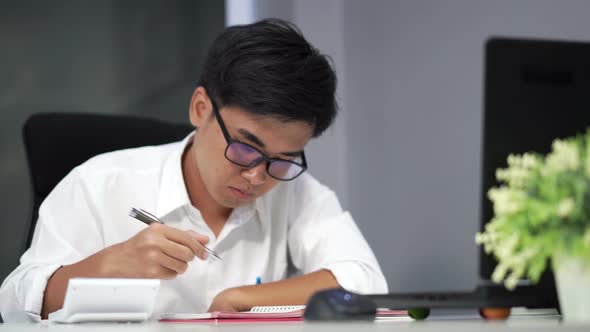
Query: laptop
point(534, 91)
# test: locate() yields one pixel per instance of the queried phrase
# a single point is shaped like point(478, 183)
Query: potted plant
point(542, 216)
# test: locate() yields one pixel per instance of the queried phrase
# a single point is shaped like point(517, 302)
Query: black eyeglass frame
point(269, 160)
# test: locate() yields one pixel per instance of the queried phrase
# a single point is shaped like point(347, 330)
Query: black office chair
point(55, 143)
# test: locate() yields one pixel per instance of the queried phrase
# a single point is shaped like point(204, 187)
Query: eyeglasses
point(245, 155)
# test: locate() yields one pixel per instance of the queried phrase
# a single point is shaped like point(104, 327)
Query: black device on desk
point(535, 91)
point(339, 304)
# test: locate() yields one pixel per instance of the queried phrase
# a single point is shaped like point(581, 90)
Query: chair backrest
point(55, 143)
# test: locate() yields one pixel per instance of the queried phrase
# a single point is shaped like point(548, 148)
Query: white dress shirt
point(299, 224)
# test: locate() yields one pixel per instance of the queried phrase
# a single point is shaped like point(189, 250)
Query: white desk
point(471, 325)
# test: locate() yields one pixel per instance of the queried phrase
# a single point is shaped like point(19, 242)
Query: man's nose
point(256, 175)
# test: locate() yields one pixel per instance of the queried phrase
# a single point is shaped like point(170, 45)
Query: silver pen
point(148, 218)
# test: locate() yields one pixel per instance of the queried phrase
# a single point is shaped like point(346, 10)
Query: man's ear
point(200, 108)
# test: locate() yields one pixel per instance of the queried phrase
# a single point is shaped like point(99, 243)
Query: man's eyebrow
point(253, 138)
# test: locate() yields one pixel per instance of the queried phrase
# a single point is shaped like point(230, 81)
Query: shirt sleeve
point(323, 236)
point(57, 241)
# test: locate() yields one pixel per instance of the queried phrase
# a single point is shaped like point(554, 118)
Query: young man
point(237, 184)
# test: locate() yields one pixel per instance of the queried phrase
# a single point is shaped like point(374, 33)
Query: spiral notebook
point(292, 313)
point(256, 314)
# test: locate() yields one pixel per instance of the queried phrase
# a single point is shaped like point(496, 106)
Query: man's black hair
point(268, 68)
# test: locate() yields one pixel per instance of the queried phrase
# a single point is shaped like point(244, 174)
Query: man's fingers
point(178, 251)
point(188, 239)
point(200, 237)
point(171, 263)
point(163, 273)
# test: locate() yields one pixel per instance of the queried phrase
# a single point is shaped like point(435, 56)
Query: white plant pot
point(572, 277)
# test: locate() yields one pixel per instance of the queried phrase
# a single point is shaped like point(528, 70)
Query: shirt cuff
point(33, 288)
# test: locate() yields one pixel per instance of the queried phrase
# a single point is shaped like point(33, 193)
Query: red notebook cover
point(234, 320)
point(258, 315)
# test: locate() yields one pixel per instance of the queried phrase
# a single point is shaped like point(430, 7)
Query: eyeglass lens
point(247, 156)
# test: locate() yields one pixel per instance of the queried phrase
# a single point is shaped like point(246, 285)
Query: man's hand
point(227, 300)
point(159, 251)
point(291, 291)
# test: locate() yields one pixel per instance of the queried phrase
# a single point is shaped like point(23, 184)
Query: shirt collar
point(173, 194)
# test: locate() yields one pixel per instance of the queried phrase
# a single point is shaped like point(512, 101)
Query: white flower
point(516, 263)
point(564, 157)
point(519, 169)
point(530, 161)
point(512, 280)
point(499, 272)
point(565, 207)
point(506, 248)
point(506, 200)
point(516, 177)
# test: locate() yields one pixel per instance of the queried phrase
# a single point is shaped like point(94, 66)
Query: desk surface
point(467, 325)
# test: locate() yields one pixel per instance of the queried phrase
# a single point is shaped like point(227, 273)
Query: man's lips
point(241, 193)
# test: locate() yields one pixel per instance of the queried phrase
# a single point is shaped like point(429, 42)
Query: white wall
point(409, 134)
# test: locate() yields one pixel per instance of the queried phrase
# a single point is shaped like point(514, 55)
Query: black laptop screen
point(535, 91)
